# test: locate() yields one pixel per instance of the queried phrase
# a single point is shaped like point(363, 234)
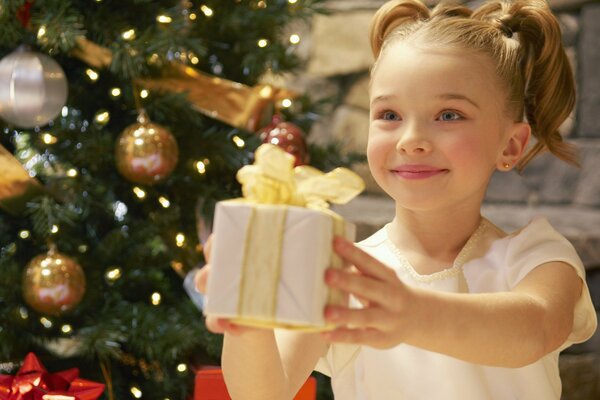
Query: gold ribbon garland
point(16, 185)
point(236, 104)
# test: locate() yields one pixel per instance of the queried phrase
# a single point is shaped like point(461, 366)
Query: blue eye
point(389, 116)
point(450, 116)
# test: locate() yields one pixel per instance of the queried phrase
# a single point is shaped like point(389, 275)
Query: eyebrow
point(444, 96)
point(456, 96)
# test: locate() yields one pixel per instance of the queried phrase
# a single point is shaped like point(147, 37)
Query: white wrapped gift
point(271, 248)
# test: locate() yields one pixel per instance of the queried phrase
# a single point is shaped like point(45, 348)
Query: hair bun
point(392, 15)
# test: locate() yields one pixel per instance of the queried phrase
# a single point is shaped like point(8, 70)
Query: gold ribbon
point(270, 185)
point(238, 105)
point(16, 185)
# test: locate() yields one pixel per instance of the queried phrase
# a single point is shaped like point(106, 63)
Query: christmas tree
point(107, 188)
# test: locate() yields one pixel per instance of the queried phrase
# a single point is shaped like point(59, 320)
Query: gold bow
point(272, 179)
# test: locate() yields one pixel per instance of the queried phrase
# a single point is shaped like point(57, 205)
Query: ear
point(516, 142)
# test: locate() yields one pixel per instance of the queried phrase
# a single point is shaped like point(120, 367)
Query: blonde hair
point(523, 39)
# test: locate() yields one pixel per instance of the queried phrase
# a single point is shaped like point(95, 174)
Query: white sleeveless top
point(491, 261)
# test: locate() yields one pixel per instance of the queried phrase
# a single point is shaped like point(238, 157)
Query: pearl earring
point(506, 165)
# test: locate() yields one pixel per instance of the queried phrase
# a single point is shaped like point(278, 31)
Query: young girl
point(446, 305)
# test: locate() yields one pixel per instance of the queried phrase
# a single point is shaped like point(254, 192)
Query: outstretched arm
point(507, 329)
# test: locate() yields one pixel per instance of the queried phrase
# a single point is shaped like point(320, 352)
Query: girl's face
point(438, 126)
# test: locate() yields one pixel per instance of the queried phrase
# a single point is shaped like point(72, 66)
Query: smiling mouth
point(418, 172)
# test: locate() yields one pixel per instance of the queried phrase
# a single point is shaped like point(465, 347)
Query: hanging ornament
point(33, 88)
point(53, 283)
point(288, 136)
point(146, 153)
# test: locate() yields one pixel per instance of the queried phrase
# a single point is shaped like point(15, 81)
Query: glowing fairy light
point(113, 274)
point(286, 103)
point(139, 192)
point(41, 31)
point(180, 239)
point(239, 142)
point(128, 34)
point(263, 43)
point(102, 117)
point(164, 202)
point(294, 39)
point(72, 173)
point(49, 139)
point(46, 322)
point(136, 392)
point(201, 167)
point(93, 75)
point(115, 92)
point(206, 10)
point(54, 229)
point(155, 298)
point(24, 234)
point(181, 367)
point(192, 16)
point(144, 93)
point(164, 19)
point(66, 328)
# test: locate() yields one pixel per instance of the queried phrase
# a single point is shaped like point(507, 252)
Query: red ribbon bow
point(34, 382)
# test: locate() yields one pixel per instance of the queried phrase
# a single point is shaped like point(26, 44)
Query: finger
point(201, 278)
point(356, 318)
point(221, 325)
point(359, 285)
point(207, 248)
point(362, 261)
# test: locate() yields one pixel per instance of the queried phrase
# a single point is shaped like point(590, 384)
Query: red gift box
point(210, 385)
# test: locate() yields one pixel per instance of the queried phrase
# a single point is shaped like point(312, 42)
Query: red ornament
point(34, 382)
point(24, 13)
point(288, 136)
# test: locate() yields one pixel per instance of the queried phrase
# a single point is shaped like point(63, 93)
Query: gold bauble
point(146, 153)
point(53, 283)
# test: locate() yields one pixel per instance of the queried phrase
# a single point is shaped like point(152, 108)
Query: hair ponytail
point(548, 85)
point(392, 15)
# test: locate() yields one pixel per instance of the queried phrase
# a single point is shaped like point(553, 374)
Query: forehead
point(415, 70)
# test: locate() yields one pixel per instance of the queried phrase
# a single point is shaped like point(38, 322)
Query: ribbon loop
point(274, 180)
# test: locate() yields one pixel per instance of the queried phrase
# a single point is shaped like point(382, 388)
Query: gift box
point(271, 249)
point(210, 385)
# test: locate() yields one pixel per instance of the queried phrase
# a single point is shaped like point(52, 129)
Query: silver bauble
point(33, 88)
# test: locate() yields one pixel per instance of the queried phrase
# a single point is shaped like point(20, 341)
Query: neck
point(440, 235)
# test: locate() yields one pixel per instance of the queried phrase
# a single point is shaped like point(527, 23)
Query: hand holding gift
point(271, 248)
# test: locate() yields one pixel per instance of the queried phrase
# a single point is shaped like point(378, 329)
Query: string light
point(46, 322)
point(261, 4)
point(24, 234)
point(128, 34)
point(292, 1)
point(115, 92)
point(164, 19)
point(136, 392)
point(155, 298)
point(143, 93)
point(93, 75)
point(82, 248)
point(139, 192)
point(64, 111)
point(263, 43)
point(194, 60)
point(193, 16)
point(102, 117)
point(49, 139)
point(112, 275)
point(206, 10)
point(66, 328)
point(181, 367)
point(54, 229)
point(239, 142)
point(164, 202)
point(72, 173)
point(41, 31)
point(286, 103)
point(201, 167)
point(23, 313)
point(294, 38)
point(180, 239)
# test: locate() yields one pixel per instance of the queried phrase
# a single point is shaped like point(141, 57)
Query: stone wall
point(338, 60)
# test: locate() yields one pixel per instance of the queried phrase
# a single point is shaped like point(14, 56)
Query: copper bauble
point(288, 136)
point(53, 283)
point(146, 153)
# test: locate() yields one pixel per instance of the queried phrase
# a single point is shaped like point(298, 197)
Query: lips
point(408, 171)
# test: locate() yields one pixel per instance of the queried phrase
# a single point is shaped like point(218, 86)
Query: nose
point(412, 140)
